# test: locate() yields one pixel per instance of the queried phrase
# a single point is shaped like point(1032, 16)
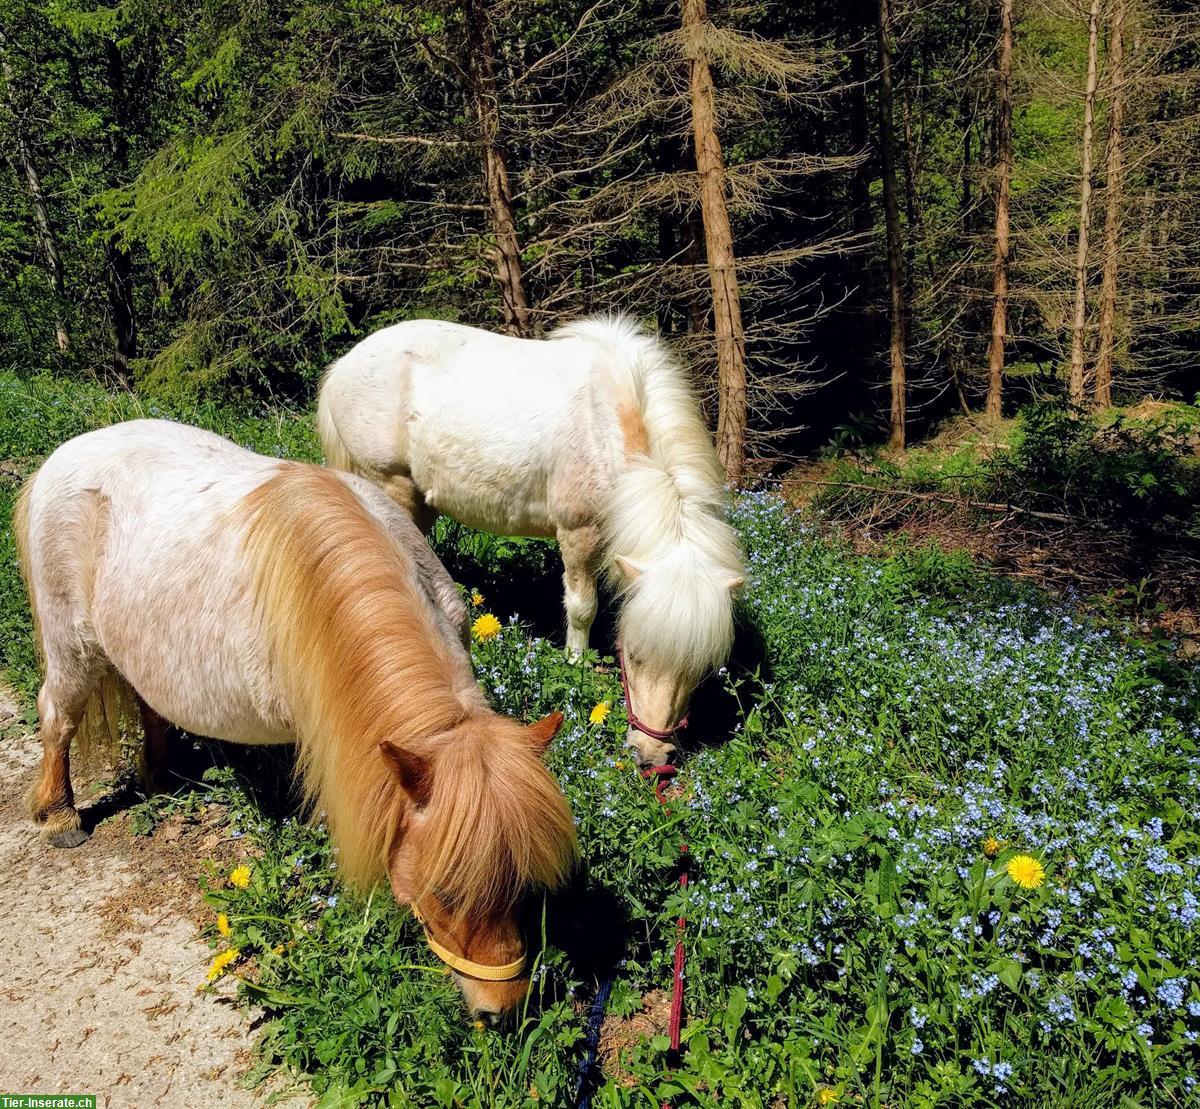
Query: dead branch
point(403, 140)
point(958, 502)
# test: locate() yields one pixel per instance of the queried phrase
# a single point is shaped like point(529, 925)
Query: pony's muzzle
point(651, 751)
point(494, 1003)
point(497, 1021)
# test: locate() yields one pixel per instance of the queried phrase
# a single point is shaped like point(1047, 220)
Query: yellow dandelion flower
point(600, 712)
point(240, 876)
point(991, 847)
point(277, 949)
point(219, 965)
point(476, 598)
point(479, 1026)
point(223, 924)
point(826, 1095)
point(1026, 871)
point(620, 765)
point(485, 627)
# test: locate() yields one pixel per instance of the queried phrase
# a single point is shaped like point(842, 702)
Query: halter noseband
point(506, 972)
point(634, 722)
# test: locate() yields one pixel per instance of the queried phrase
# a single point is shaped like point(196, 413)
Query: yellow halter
point(504, 973)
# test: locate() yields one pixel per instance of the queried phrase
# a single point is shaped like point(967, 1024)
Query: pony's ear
point(627, 567)
point(735, 584)
point(541, 733)
point(414, 771)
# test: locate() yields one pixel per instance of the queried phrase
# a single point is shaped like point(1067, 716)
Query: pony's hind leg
point(154, 765)
point(580, 549)
point(60, 563)
point(403, 490)
point(61, 706)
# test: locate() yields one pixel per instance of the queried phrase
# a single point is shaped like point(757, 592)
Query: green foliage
point(1142, 477)
point(850, 928)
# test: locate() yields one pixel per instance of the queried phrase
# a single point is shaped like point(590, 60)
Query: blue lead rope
point(587, 1066)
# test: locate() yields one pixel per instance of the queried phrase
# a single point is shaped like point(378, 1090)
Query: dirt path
point(100, 959)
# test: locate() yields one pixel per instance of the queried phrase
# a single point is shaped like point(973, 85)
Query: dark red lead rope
point(663, 775)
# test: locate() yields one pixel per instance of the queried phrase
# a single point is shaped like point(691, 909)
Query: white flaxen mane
point(666, 513)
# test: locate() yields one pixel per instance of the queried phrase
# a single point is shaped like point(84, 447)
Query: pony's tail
point(337, 454)
point(112, 721)
point(112, 714)
point(21, 536)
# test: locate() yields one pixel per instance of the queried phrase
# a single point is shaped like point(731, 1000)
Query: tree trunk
point(891, 212)
point(722, 265)
point(1004, 156)
point(510, 275)
point(862, 218)
point(41, 216)
point(696, 255)
point(912, 204)
point(118, 267)
point(1085, 212)
point(1112, 210)
point(967, 114)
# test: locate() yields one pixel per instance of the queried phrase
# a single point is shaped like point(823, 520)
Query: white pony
point(593, 437)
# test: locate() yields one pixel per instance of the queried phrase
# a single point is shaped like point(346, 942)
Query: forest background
point(851, 219)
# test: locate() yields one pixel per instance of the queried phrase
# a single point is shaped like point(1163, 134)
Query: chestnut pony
point(593, 437)
point(261, 601)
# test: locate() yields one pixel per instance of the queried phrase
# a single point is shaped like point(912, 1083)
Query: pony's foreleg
point(580, 549)
point(52, 801)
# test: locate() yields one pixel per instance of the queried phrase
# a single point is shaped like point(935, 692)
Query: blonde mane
point(356, 650)
point(667, 510)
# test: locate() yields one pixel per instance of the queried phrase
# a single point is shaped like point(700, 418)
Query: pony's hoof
point(156, 779)
point(68, 837)
point(62, 826)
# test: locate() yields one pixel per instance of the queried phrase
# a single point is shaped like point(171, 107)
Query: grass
point(909, 726)
point(1130, 470)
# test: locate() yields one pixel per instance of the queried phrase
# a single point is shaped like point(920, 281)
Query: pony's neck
point(355, 652)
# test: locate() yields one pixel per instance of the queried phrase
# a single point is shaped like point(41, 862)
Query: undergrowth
point(914, 736)
point(854, 933)
point(1109, 471)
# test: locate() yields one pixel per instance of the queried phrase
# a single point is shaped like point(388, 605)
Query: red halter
point(634, 722)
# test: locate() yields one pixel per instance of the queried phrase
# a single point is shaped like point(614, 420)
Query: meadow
point(944, 836)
